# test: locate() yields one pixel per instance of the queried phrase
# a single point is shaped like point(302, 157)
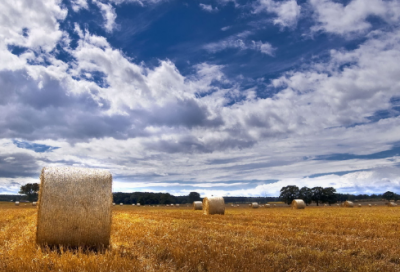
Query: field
point(179, 239)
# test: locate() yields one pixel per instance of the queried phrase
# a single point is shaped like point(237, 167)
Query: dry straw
point(254, 205)
point(16, 203)
point(348, 204)
point(213, 205)
point(298, 204)
point(74, 207)
point(197, 205)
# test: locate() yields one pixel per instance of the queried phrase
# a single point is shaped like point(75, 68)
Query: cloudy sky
point(220, 97)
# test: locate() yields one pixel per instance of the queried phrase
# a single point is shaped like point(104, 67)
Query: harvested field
point(165, 239)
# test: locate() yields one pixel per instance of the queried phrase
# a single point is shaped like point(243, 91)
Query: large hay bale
point(197, 205)
point(133, 204)
point(121, 204)
point(298, 204)
point(348, 204)
point(213, 205)
point(359, 205)
point(267, 206)
point(391, 204)
point(177, 205)
point(254, 205)
point(33, 203)
point(113, 204)
point(369, 205)
point(74, 207)
point(16, 203)
point(138, 204)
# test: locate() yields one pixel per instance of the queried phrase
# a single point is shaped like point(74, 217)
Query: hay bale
point(267, 206)
point(16, 203)
point(391, 204)
point(197, 205)
point(375, 205)
point(177, 205)
point(369, 205)
point(137, 204)
point(74, 207)
point(250, 205)
point(113, 204)
point(33, 203)
point(213, 205)
point(121, 204)
point(359, 205)
point(298, 204)
point(274, 205)
point(237, 205)
point(133, 204)
point(254, 205)
point(348, 204)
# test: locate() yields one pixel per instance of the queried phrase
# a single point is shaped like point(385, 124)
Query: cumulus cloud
point(287, 12)
point(353, 18)
point(208, 8)
point(109, 15)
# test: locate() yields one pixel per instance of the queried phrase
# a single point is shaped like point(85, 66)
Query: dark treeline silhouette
point(328, 195)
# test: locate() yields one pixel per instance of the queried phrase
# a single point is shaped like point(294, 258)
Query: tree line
point(327, 195)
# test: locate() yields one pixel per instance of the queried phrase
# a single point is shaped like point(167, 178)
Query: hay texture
point(348, 204)
point(74, 207)
point(197, 205)
point(254, 205)
point(298, 204)
point(213, 205)
point(16, 203)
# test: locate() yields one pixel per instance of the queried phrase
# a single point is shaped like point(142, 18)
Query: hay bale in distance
point(267, 205)
point(274, 205)
point(113, 204)
point(213, 205)
point(298, 204)
point(348, 204)
point(177, 205)
point(391, 204)
point(121, 204)
point(16, 203)
point(74, 207)
point(33, 203)
point(254, 205)
point(359, 205)
point(369, 205)
point(197, 205)
point(133, 204)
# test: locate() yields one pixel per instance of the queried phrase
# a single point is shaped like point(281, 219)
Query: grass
point(244, 239)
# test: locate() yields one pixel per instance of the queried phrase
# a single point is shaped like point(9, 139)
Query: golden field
point(244, 239)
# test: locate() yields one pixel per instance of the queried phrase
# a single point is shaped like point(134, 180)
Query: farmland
point(244, 239)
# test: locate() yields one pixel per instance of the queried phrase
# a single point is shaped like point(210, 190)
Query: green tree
point(289, 193)
point(193, 196)
point(30, 190)
point(305, 193)
point(389, 195)
point(317, 194)
point(329, 195)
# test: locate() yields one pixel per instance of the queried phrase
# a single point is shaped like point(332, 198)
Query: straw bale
point(74, 207)
point(213, 205)
point(337, 205)
point(267, 206)
point(232, 205)
point(359, 205)
point(298, 204)
point(391, 204)
point(16, 203)
point(177, 205)
point(113, 204)
point(197, 205)
point(348, 204)
point(138, 204)
point(133, 204)
point(274, 205)
point(254, 205)
point(33, 203)
point(250, 205)
point(369, 205)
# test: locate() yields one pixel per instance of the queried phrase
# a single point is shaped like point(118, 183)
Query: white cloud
point(208, 8)
point(287, 12)
point(352, 18)
point(109, 15)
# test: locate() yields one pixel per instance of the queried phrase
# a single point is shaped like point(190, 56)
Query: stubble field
point(244, 239)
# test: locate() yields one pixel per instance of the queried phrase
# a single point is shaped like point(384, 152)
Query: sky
point(223, 97)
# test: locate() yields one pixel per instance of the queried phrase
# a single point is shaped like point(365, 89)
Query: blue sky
point(220, 97)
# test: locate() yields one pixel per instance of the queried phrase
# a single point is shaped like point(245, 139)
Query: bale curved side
point(197, 205)
point(213, 205)
point(254, 205)
point(348, 204)
point(74, 207)
point(16, 203)
point(298, 204)
point(267, 206)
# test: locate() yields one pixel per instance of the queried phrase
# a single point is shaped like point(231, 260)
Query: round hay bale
point(232, 205)
point(74, 207)
point(197, 205)
point(337, 204)
point(267, 206)
point(359, 205)
point(33, 203)
point(138, 204)
point(213, 205)
point(237, 205)
point(172, 205)
point(254, 205)
point(274, 205)
point(392, 204)
point(133, 204)
point(298, 204)
point(325, 205)
point(369, 205)
point(348, 204)
point(113, 204)
point(177, 205)
point(16, 203)
point(121, 204)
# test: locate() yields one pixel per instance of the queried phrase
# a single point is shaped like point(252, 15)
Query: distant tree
point(193, 196)
point(30, 190)
point(288, 193)
point(317, 194)
point(329, 195)
point(389, 195)
point(305, 193)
